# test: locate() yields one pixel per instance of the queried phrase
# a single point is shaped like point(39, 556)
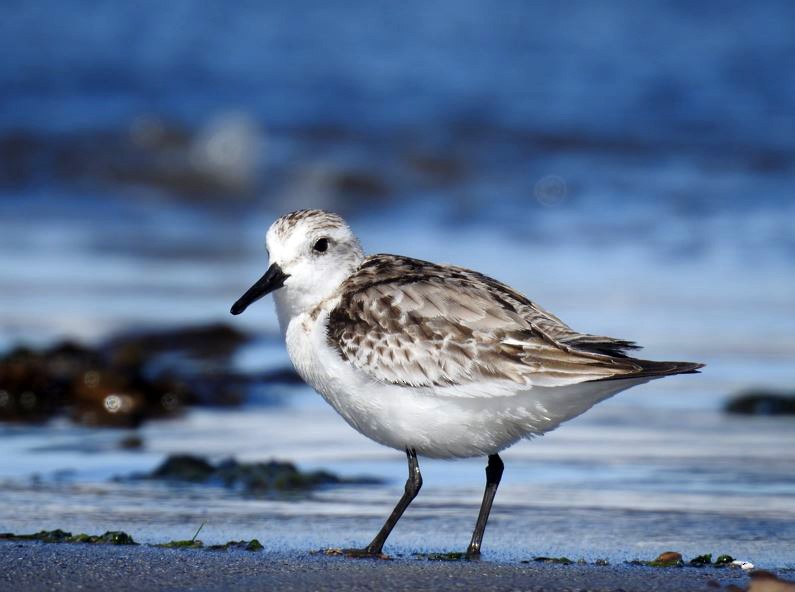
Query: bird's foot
point(366, 553)
point(472, 554)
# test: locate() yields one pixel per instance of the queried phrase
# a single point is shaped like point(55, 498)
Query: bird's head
point(311, 252)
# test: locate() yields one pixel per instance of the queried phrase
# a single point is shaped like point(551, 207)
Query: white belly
point(436, 425)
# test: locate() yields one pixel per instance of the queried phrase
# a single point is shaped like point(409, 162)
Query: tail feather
point(653, 369)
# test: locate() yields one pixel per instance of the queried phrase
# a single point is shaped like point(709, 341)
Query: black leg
point(493, 476)
point(413, 485)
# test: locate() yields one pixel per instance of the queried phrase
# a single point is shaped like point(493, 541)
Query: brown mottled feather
point(410, 322)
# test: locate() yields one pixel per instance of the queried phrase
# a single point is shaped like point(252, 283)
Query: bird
point(436, 361)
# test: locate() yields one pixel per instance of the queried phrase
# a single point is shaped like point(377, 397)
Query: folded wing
point(414, 323)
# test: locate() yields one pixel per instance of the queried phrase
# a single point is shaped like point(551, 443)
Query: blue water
point(630, 167)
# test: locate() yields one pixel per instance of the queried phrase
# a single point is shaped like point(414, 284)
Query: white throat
point(304, 294)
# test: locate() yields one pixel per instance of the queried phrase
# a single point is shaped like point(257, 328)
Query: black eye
point(321, 245)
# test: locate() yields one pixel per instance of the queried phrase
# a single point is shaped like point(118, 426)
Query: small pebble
point(743, 564)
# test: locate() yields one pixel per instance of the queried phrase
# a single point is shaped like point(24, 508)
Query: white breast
point(432, 423)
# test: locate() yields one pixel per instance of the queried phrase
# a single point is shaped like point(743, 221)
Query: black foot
point(472, 555)
point(365, 553)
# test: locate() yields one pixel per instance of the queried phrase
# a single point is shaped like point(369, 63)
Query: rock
point(744, 565)
point(668, 559)
point(761, 402)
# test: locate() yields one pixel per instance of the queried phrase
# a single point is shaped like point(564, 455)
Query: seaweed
point(674, 559)
point(189, 544)
point(558, 560)
point(762, 402)
point(127, 380)
point(666, 559)
point(701, 560)
point(601, 562)
point(449, 556)
point(253, 545)
point(111, 537)
point(353, 553)
point(272, 477)
point(118, 537)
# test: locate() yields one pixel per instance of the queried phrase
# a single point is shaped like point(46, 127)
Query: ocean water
point(629, 168)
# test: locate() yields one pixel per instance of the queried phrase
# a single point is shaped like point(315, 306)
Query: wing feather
point(413, 323)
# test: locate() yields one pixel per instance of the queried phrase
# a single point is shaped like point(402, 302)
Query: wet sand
point(35, 566)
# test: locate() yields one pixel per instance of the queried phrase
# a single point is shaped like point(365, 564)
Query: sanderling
point(434, 360)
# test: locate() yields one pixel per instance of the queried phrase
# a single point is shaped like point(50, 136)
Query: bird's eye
point(321, 245)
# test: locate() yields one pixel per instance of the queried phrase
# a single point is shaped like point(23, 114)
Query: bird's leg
point(493, 476)
point(413, 485)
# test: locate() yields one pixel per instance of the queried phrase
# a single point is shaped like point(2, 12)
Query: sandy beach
point(33, 566)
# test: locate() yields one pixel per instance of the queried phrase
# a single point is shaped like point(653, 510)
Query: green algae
point(111, 537)
point(701, 560)
point(189, 544)
point(118, 537)
point(194, 543)
point(253, 545)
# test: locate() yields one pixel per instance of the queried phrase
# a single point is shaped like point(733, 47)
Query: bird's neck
point(308, 297)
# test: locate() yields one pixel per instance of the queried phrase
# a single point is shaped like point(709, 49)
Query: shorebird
point(434, 360)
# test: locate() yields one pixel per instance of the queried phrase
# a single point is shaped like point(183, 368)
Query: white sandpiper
point(434, 360)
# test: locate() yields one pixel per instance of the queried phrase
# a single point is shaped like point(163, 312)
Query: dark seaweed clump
point(111, 537)
point(449, 556)
point(251, 478)
point(127, 379)
point(253, 545)
point(762, 402)
point(557, 560)
point(674, 559)
point(118, 537)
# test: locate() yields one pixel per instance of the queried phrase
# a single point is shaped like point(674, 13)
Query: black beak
point(272, 280)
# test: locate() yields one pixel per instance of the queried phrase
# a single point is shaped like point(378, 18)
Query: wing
point(412, 323)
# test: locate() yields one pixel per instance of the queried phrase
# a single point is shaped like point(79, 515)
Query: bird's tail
point(652, 369)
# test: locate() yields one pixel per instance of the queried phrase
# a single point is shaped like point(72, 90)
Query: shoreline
point(41, 566)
